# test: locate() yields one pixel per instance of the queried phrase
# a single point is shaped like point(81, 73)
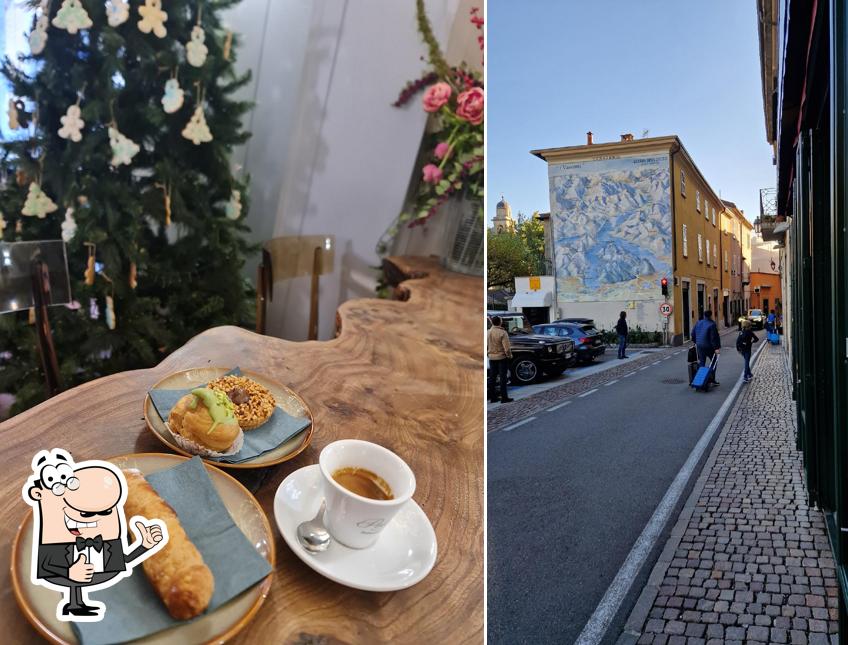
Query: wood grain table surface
point(404, 373)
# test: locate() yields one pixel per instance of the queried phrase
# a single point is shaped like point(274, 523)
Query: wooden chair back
point(289, 257)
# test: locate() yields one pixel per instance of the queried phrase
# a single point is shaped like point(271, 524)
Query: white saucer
point(403, 555)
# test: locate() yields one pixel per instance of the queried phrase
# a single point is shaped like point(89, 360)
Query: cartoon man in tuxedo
point(79, 531)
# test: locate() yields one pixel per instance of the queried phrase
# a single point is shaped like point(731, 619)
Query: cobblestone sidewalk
point(749, 560)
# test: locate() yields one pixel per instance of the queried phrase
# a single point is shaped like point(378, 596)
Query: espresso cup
point(353, 520)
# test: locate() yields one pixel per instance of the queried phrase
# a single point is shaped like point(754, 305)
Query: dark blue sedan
point(588, 341)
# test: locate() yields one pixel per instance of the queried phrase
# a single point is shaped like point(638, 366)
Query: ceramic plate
point(39, 603)
point(286, 399)
point(403, 556)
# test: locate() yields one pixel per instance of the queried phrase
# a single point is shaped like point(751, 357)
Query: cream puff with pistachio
point(204, 422)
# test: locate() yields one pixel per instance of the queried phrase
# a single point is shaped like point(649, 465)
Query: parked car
point(757, 318)
point(578, 321)
point(588, 341)
point(533, 355)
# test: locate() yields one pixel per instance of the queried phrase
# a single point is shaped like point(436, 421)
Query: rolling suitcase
point(704, 375)
point(774, 338)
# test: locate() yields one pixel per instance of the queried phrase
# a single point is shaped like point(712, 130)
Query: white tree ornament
point(38, 35)
point(72, 124)
point(152, 18)
point(196, 50)
point(233, 207)
point(196, 130)
point(117, 12)
point(37, 204)
point(123, 148)
point(72, 17)
point(69, 226)
point(174, 96)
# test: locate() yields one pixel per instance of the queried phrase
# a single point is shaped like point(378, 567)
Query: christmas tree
point(128, 121)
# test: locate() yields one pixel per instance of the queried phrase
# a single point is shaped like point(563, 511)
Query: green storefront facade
point(804, 57)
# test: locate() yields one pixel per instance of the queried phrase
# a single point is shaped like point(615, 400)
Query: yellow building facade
point(697, 235)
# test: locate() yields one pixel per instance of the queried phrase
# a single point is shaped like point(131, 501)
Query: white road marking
point(644, 368)
point(655, 363)
point(580, 396)
point(610, 383)
point(629, 374)
point(557, 407)
point(666, 358)
point(606, 610)
point(517, 424)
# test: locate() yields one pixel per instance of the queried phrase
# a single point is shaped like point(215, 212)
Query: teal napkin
point(133, 610)
point(275, 431)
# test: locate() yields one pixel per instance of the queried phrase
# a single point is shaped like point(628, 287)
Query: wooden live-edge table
point(404, 373)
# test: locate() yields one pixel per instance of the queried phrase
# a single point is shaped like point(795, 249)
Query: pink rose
point(441, 150)
point(436, 96)
point(432, 173)
point(469, 105)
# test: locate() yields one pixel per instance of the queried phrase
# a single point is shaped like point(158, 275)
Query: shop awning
point(532, 299)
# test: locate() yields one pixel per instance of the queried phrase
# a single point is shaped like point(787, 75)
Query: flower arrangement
point(454, 97)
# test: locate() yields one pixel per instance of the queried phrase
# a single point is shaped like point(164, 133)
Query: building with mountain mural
point(625, 215)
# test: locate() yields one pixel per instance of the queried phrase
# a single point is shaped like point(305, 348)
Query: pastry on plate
point(254, 403)
point(177, 573)
point(203, 422)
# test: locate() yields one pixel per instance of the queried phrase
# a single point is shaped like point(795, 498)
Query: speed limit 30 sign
point(666, 309)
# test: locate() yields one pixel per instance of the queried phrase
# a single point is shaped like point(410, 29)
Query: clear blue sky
point(559, 68)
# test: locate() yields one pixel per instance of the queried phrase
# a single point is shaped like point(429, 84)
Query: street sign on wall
point(666, 309)
point(535, 283)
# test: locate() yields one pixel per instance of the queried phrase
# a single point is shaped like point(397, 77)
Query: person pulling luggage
point(707, 341)
point(744, 341)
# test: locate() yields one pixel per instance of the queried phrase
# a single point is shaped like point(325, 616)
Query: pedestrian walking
point(744, 341)
point(770, 322)
point(621, 330)
point(499, 352)
point(707, 341)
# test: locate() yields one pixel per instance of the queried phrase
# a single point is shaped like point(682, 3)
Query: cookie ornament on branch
point(72, 124)
point(233, 207)
point(123, 148)
point(72, 17)
point(174, 96)
point(117, 12)
point(69, 226)
point(38, 35)
point(153, 18)
point(197, 131)
point(196, 49)
point(37, 204)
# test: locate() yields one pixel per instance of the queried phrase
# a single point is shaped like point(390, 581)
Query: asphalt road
point(569, 493)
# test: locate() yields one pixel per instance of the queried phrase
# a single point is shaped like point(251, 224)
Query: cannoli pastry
point(254, 403)
point(204, 423)
point(177, 573)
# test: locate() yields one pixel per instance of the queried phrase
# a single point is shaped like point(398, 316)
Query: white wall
point(331, 155)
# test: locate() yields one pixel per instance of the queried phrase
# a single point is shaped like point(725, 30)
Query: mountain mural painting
point(611, 228)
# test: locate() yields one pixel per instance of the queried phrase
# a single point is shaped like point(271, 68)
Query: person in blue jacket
point(770, 326)
point(706, 339)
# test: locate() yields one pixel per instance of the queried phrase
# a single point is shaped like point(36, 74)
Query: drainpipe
point(675, 148)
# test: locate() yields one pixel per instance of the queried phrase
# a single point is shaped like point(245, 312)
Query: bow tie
point(84, 543)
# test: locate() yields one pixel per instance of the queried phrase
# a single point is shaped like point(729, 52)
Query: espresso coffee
point(363, 482)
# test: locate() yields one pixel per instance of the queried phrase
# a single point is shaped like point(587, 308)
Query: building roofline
point(555, 155)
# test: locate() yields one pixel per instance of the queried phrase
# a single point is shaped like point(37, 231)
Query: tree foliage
point(188, 273)
point(517, 254)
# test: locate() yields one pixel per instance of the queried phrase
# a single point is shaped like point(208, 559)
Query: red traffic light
point(664, 282)
point(664, 286)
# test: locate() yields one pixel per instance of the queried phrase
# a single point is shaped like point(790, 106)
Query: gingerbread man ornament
point(152, 18)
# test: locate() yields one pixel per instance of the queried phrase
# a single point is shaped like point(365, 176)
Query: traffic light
point(664, 285)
